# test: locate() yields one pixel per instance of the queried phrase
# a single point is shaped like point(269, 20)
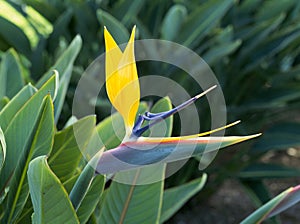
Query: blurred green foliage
point(252, 46)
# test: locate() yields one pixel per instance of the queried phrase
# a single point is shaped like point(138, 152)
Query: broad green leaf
point(60, 26)
point(68, 143)
point(20, 22)
point(116, 28)
point(132, 203)
point(218, 52)
point(163, 128)
point(285, 78)
point(20, 130)
point(11, 77)
point(273, 45)
point(68, 185)
point(279, 136)
point(2, 148)
point(25, 216)
point(248, 6)
point(87, 190)
point(254, 35)
point(174, 198)
point(40, 144)
point(271, 9)
point(46, 8)
point(39, 22)
point(127, 10)
point(275, 98)
point(220, 36)
point(70, 122)
point(172, 22)
point(91, 199)
point(263, 170)
point(143, 31)
point(3, 102)
point(278, 204)
point(140, 201)
point(202, 20)
point(112, 130)
point(83, 182)
point(15, 104)
point(50, 200)
point(64, 66)
point(81, 186)
point(109, 133)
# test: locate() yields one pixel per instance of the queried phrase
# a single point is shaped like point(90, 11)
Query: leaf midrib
point(129, 197)
point(31, 153)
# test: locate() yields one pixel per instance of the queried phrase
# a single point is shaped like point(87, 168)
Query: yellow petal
point(113, 53)
point(122, 83)
point(199, 137)
point(227, 140)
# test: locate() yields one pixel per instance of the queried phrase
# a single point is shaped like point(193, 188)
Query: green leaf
point(81, 186)
point(198, 24)
point(87, 190)
point(132, 203)
point(11, 77)
point(273, 45)
point(2, 148)
point(127, 10)
point(218, 52)
point(263, 170)
point(270, 9)
point(70, 121)
point(278, 204)
point(248, 6)
point(140, 201)
point(19, 130)
point(279, 136)
point(3, 102)
point(25, 216)
point(111, 130)
point(256, 34)
point(15, 104)
point(91, 199)
point(40, 144)
point(174, 198)
point(39, 22)
point(49, 198)
point(163, 128)
point(83, 182)
point(68, 143)
point(109, 133)
point(116, 28)
point(64, 66)
point(19, 22)
point(60, 27)
point(48, 9)
point(173, 21)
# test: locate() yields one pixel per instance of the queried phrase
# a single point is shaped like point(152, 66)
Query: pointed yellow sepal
point(122, 82)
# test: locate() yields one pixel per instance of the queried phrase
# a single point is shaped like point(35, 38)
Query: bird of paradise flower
point(123, 90)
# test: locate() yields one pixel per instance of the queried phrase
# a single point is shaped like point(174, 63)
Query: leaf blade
point(41, 144)
point(176, 197)
point(141, 200)
point(45, 186)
